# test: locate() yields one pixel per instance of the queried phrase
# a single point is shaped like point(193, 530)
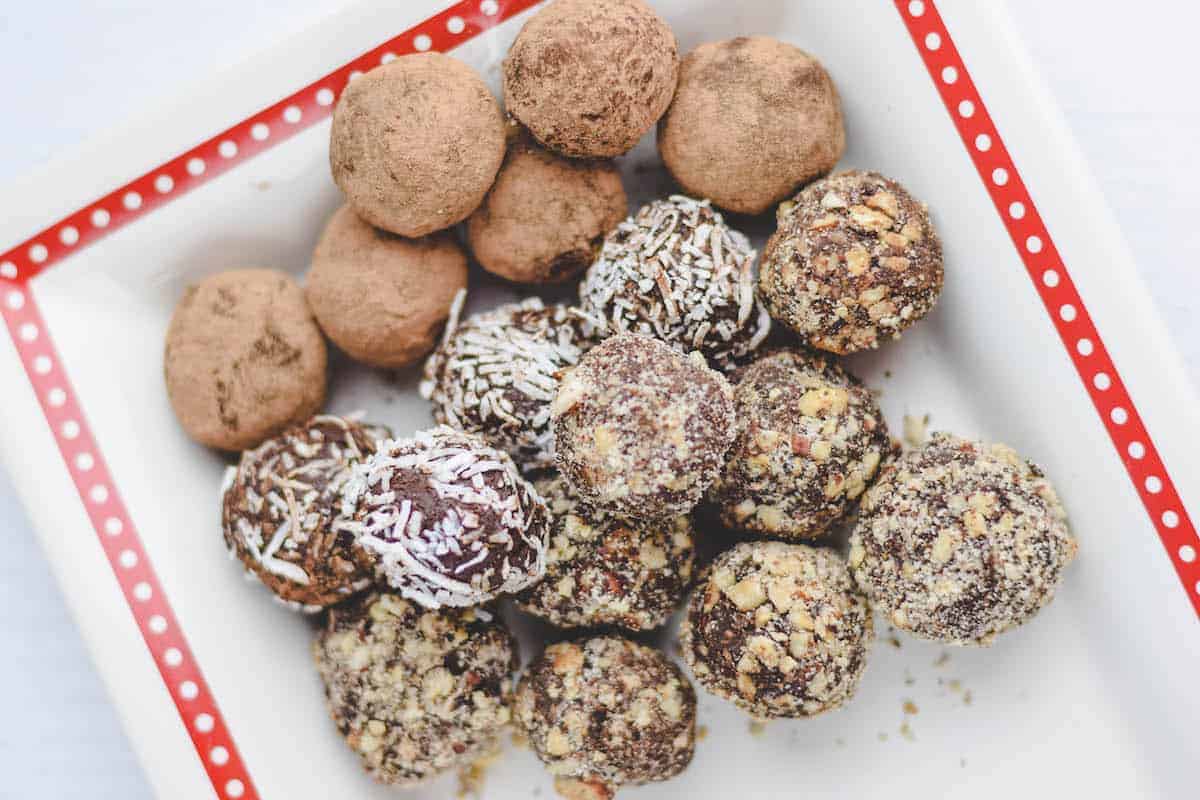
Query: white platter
point(1096, 696)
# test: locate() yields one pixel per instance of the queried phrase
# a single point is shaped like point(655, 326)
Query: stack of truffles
point(574, 443)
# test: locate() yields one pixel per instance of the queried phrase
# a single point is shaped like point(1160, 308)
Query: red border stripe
point(1053, 283)
point(60, 405)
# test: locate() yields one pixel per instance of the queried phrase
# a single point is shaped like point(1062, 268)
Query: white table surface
point(74, 68)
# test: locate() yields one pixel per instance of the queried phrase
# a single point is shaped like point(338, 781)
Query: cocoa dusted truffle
point(677, 272)
point(810, 439)
point(447, 519)
point(589, 79)
point(604, 570)
point(545, 217)
point(752, 120)
point(381, 298)
point(855, 259)
point(415, 692)
point(495, 374)
point(279, 505)
point(606, 712)
point(244, 358)
point(640, 429)
point(959, 541)
point(416, 143)
point(778, 629)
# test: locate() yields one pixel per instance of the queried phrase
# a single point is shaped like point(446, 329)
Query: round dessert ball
point(640, 429)
point(959, 541)
point(854, 259)
point(280, 506)
point(753, 118)
point(495, 375)
point(810, 438)
point(416, 143)
point(603, 570)
point(447, 520)
point(778, 629)
point(677, 272)
point(589, 79)
point(607, 712)
point(545, 217)
point(244, 358)
point(415, 692)
point(381, 298)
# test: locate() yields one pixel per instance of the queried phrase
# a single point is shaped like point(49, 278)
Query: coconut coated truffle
point(604, 570)
point(416, 143)
point(810, 439)
point(854, 260)
point(495, 375)
point(589, 79)
point(778, 629)
point(640, 429)
point(544, 219)
point(677, 272)
point(753, 119)
point(415, 692)
point(447, 520)
point(279, 505)
point(959, 541)
point(381, 298)
point(244, 358)
point(607, 712)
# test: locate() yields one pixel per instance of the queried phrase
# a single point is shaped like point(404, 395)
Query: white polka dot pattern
point(1052, 280)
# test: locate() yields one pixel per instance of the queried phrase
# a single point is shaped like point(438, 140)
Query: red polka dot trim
point(101, 500)
point(1050, 277)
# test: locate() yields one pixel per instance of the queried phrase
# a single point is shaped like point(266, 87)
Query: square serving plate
point(1044, 338)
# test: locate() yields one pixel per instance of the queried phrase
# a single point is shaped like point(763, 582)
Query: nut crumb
point(701, 733)
point(914, 430)
point(882, 736)
point(907, 732)
point(757, 727)
point(910, 707)
point(968, 698)
point(472, 776)
point(942, 660)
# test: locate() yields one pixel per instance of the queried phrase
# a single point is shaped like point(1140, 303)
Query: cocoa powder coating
point(244, 358)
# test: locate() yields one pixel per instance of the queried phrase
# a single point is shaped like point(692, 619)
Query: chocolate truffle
point(279, 505)
point(589, 79)
point(607, 712)
point(778, 629)
point(415, 692)
point(381, 298)
point(640, 429)
point(447, 519)
point(677, 272)
point(810, 439)
point(854, 259)
point(752, 120)
point(959, 541)
point(604, 570)
point(495, 375)
point(545, 217)
point(244, 358)
point(416, 143)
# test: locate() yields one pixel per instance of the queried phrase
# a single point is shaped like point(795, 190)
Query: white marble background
point(73, 68)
